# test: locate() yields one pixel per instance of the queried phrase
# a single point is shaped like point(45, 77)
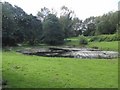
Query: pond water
point(70, 52)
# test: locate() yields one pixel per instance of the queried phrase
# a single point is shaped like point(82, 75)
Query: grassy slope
point(113, 45)
point(34, 71)
point(105, 45)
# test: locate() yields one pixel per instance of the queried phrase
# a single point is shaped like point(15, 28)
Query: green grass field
point(22, 71)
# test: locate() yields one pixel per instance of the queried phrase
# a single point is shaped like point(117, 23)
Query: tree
point(18, 27)
point(43, 13)
point(107, 24)
point(32, 29)
point(66, 21)
point(77, 26)
point(8, 25)
point(19, 14)
point(89, 26)
point(53, 33)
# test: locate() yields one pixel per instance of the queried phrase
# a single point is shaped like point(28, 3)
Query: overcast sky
point(82, 8)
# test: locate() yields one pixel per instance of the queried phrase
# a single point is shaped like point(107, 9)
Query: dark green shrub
point(96, 38)
point(108, 38)
point(67, 40)
point(83, 40)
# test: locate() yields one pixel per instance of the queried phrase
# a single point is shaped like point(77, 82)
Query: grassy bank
point(35, 72)
point(104, 45)
point(113, 45)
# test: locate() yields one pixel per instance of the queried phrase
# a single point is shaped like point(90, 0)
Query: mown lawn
point(22, 71)
point(104, 45)
point(113, 45)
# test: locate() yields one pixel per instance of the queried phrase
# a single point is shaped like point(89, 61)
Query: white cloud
point(82, 8)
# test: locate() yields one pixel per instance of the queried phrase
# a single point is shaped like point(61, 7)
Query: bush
point(67, 40)
point(108, 38)
point(94, 38)
point(83, 40)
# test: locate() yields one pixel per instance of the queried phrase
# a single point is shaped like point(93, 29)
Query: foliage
point(66, 21)
point(83, 40)
point(18, 27)
point(8, 22)
point(32, 29)
point(43, 13)
point(77, 24)
point(103, 45)
point(100, 38)
point(89, 27)
point(107, 24)
point(53, 33)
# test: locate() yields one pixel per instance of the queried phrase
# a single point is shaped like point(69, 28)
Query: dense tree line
point(46, 27)
point(19, 27)
point(106, 24)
